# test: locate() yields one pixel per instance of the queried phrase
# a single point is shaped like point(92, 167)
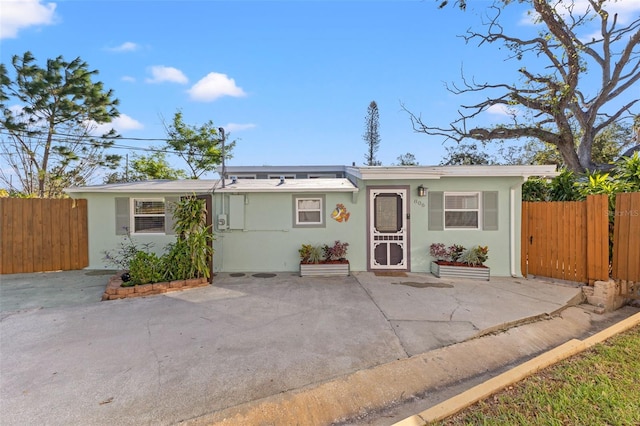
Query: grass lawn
point(600, 386)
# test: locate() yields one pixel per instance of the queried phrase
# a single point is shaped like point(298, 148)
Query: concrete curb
point(491, 386)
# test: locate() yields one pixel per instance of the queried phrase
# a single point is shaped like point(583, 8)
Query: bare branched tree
point(557, 105)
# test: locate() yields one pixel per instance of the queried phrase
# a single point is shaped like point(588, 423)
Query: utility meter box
point(223, 222)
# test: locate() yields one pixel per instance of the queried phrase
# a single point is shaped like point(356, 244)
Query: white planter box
point(446, 271)
point(324, 269)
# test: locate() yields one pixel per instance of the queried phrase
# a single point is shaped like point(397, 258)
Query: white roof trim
point(319, 185)
point(230, 170)
point(182, 186)
point(437, 172)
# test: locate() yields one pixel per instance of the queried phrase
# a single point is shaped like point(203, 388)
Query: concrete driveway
point(166, 359)
point(51, 289)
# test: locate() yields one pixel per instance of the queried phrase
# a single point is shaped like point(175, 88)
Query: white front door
point(388, 236)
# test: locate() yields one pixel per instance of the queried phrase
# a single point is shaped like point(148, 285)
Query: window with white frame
point(462, 210)
point(308, 211)
point(148, 215)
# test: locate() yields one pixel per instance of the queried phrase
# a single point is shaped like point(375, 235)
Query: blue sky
point(289, 80)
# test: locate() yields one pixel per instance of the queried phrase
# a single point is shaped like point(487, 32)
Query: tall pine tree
point(372, 135)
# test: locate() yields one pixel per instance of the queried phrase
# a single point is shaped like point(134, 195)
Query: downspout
point(220, 250)
point(512, 227)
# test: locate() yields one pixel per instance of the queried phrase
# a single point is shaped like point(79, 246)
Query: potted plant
point(456, 261)
point(323, 260)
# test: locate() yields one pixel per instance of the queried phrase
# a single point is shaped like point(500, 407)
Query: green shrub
point(145, 268)
point(126, 251)
point(193, 249)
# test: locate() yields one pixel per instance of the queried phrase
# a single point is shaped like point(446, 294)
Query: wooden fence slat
point(6, 230)
point(83, 238)
point(546, 260)
point(524, 236)
point(572, 225)
point(57, 238)
point(622, 224)
point(567, 254)
point(18, 242)
point(65, 250)
point(75, 234)
point(39, 223)
point(581, 238)
point(28, 235)
point(615, 262)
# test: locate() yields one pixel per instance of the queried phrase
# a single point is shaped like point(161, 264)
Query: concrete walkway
point(205, 355)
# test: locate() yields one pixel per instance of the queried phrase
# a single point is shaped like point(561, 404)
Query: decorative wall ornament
point(340, 213)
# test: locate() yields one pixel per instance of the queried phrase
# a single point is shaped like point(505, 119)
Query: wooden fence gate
point(39, 235)
point(566, 240)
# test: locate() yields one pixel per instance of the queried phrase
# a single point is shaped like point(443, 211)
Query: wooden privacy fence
point(626, 238)
point(567, 240)
point(43, 235)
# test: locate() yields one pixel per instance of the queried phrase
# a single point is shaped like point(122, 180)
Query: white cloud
point(161, 74)
point(127, 46)
point(128, 79)
point(502, 110)
point(120, 124)
point(627, 10)
point(238, 127)
point(213, 86)
point(19, 14)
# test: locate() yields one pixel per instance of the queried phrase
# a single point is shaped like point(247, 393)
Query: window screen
point(461, 211)
point(148, 216)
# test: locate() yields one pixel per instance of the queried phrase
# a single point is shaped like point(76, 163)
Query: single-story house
point(261, 216)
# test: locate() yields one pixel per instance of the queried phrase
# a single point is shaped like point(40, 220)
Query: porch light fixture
point(422, 191)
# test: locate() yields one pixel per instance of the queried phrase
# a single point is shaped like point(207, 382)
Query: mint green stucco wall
point(498, 241)
point(101, 212)
point(269, 242)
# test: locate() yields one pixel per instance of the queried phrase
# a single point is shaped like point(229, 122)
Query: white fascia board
point(395, 172)
point(229, 170)
point(437, 172)
point(488, 171)
point(171, 187)
point(285, 190)
point(327, 185)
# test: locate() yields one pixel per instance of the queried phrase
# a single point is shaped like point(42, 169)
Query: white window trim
point(297, 223)
point(478, 194)
point(133, 215)
point(245, 176)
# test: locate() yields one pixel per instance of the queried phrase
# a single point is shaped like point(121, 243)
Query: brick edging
point(114, 289)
